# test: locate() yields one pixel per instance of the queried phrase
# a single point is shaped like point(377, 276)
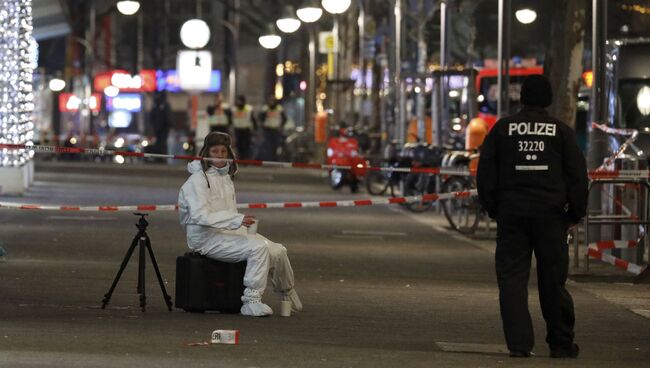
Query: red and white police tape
point(627, 174)
point(613, 244)
point(596, 174)
point(296, 165)
point(620, 263)
point(616, 131)
point(595, 250)
point(632, 133)
point(350, 203)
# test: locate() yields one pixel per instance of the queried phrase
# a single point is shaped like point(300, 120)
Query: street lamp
point(526, 16)
point(57, 85)
point(310, 12)
point(288, 23)
point(195, 33)
point(128, 7)
point(336, 6)
point(270, 40)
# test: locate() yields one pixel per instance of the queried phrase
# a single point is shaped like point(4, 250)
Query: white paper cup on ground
point(285, 308)
point(252, 230)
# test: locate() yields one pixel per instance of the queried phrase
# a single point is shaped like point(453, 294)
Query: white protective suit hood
point(207, 204)
point(194, 167)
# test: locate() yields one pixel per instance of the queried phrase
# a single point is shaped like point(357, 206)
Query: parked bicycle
point(417, 184)
point(297, 146)
point(463, 213)
point(378, 182)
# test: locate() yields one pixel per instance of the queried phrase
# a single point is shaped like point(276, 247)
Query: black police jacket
point(531, 165)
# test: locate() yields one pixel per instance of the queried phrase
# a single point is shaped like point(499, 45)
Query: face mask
point(223, 170)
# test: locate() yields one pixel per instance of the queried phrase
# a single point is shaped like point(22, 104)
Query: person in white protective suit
point(215, 229)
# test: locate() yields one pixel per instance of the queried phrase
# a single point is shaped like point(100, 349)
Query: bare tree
point(563, 62)
point(462, 35)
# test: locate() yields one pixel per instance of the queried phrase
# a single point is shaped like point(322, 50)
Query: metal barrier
point(641, 218)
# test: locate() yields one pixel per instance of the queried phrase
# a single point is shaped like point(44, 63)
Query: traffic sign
point(327, 43)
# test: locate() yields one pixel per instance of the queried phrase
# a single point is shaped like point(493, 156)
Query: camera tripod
point(141, 239)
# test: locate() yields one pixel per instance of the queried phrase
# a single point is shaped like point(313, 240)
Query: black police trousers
point(243, 141)
point(272, 140)
point(517, 239)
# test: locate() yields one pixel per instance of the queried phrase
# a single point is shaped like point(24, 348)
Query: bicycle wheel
point(377, 182)
point(414, 185)
point(463, 213)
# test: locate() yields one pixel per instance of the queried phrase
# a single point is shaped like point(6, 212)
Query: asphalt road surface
point(381, 287)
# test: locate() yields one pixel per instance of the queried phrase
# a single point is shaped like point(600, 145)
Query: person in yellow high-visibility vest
point(273, 119)
point(219, 115)
point(245, 124)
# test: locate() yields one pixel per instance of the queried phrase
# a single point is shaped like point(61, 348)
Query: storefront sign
point(68, 102)
point(194, 70)
point(124, 101)
point(167, 80)
point(145, 81)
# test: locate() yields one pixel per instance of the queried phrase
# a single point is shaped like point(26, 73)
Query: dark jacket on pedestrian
point(531, 165)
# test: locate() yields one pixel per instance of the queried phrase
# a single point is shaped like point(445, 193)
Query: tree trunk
point(563, 63)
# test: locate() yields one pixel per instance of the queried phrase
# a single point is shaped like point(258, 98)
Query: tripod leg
point(168, 299)
point(141, 274)
point(125, 261)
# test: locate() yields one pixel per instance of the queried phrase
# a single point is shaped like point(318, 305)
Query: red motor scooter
point(344, 151)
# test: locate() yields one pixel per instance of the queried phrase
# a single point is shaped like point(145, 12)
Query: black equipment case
point(204, 284)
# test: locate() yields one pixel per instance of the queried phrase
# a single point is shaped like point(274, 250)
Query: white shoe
point(258, 309)
point(253, 305)
point(296, 304)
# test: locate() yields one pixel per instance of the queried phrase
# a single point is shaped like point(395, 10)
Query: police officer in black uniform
point(532, 178)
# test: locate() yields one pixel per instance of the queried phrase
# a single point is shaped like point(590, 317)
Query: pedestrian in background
point(160, 120)
point(272, 118)
point(245, 124)
point(219, 115)
point(532, 178)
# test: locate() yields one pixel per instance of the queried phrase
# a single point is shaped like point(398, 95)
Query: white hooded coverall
point(214, 229)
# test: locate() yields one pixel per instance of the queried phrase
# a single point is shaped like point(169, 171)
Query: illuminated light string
point(17, 55)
